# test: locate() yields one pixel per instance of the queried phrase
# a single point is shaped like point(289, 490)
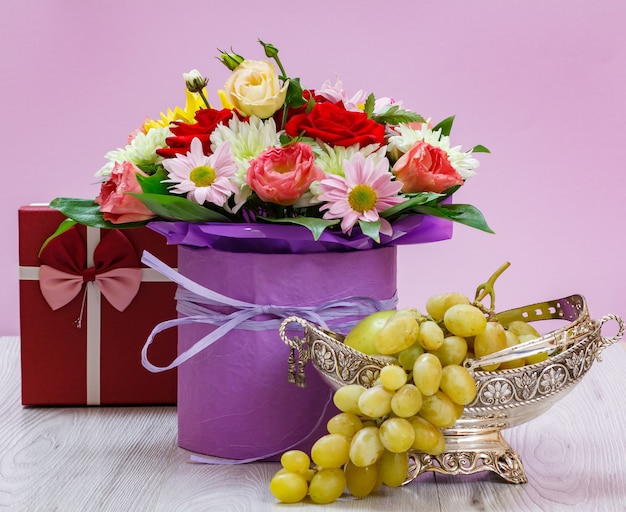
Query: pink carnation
point(116, 205)
point(425, 168)
point(282, 175)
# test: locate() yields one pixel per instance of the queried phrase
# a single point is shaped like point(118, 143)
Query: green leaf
point(369, 105)
point(178, 208)
point(410, 204)
point(149, 168)
point(63, 227)
point(371, 229)
point(87, 212)
point(284, 139)
point(480, 149)
point(310, 103)
point(445, 126)
point(294, 96)
point(462, 213)
point(314, 224)
point(153, 184)
point(393, 114)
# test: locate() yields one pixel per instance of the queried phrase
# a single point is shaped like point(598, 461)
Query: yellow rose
point(254, 89)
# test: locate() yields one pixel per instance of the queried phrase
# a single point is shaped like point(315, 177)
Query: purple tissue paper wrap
point(234, 400)
point(290, 238)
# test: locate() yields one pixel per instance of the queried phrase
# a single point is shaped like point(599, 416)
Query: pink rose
point(425, 168)
point(117, 206)
point(282, 174)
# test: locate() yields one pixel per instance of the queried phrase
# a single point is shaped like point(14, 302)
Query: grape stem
point(487, 289)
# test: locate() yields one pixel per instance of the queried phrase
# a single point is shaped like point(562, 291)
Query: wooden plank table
point(126, 459)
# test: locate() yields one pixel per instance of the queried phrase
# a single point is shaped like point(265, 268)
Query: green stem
point(280, 66)
point(206, 102)
point(487, 288)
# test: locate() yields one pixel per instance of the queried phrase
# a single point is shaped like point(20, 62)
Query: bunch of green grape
point(368, 442)
point(422, 390)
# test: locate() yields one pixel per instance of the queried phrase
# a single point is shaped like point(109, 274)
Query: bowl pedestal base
point(467, 454)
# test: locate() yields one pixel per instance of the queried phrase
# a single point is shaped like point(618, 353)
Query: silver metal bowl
point(505, 398)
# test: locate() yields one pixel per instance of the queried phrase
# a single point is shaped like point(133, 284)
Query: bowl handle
point(605, 342)
point(299, 352)
point(545, 344)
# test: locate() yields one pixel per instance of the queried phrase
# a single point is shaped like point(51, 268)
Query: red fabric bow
point(63, 270)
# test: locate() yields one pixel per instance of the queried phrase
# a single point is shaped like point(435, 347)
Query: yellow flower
point(193, 103)
point(224, 100)
point(254, 89)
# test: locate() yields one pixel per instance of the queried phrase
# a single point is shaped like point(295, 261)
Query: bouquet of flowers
point(277, 152)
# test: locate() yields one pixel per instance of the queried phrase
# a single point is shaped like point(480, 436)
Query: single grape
point(452, 351)
point(437, 305)
point(511, 340)
point(366, 447)
point(331, 451)
point(289, 487)
point(537, 358)
point(295, 461)
point(431, 335)
point(407, 357)
point(327, 485)
point(399, 332)
point(464, 320)
point(361, 481)
point(492, 339)
point(392, 377)
point(344, 423)
point(375, 402)
point(521, 328)
point(393, 468)
point(346, 398)
point(439, 410)
point(406, 401)
point(396, 434)
point(427, 373)
point(428, 438)
point(457, 382)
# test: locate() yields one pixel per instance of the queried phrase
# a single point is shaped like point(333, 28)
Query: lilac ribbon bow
point(195, 301)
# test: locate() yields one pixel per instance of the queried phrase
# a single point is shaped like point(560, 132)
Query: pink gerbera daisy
point(201, 177)
point(366, 190)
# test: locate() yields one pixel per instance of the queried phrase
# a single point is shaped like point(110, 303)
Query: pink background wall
point(541, 83)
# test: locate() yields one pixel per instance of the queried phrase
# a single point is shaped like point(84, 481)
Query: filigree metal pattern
point(506, 463)
point(342, 365)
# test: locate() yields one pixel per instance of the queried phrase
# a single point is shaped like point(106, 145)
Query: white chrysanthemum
point(463, 162)
point(331, 158)
point(247, 140)
point(141, 150)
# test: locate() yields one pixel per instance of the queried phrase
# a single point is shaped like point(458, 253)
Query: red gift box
point(81, 343)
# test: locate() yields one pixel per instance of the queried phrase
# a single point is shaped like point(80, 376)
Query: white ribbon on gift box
point(92, 300)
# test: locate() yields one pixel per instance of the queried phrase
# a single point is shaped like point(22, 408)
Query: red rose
point(335, 125)
point(425, 168)
point(207, 119)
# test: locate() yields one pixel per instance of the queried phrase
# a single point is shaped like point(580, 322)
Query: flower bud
point(270, 50)
point(194, 81)
point(230, 60)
